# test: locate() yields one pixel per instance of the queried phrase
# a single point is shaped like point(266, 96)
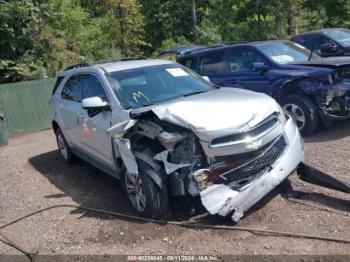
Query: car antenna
point(312, 52)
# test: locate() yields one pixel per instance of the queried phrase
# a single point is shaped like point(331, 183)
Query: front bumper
point(220, 199)
point(337, 104)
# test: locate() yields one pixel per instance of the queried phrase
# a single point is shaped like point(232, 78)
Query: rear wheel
point(144, 194)
point(63, 147)
point(303, 111)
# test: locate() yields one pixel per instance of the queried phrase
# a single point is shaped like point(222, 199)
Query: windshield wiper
point(139, 106)
point(193, 93)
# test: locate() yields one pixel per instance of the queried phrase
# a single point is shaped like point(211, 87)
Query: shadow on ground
point(89, 187)
point(337, 131)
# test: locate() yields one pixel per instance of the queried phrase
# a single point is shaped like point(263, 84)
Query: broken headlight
point(204, 178)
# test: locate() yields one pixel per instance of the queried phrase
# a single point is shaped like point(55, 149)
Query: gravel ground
point(32, 176)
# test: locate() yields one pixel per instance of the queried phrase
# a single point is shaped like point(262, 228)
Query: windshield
point(286, 52)
point(342, 36)
point(154, 84)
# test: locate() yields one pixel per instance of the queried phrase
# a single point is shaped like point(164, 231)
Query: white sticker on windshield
point(176, 72)
point(283, 59)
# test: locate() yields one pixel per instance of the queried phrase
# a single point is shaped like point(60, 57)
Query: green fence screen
point(25, 105)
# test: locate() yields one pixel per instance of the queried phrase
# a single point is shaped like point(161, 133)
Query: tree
point(19, 25)
point(127, 13)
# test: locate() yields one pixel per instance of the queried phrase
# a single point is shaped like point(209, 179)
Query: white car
point(163, 130)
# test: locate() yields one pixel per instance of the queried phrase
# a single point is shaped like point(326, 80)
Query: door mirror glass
point(328, 48)
point(95, 102)
point(258, 67)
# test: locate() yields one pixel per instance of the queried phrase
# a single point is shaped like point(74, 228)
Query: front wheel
point(303, 111)
point(144, 195)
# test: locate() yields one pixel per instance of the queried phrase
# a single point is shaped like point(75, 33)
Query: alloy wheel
point(62, 146)
point(135, 190)
point(297, 114)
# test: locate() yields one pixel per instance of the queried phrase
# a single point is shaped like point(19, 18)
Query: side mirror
point(259, 67)
point(328, 48)
point(95, 103)
point(206, 78)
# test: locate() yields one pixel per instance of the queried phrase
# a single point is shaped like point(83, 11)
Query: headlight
point(282, 115)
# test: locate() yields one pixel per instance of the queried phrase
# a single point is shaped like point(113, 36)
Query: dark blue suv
point(308, 87)
point(326, 42)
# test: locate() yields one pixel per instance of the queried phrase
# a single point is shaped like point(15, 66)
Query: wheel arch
point(55, 125)
point(147, 164)
point(293, 88)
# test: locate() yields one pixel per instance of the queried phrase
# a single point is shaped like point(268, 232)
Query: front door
point(240, 73)
point(94, 124)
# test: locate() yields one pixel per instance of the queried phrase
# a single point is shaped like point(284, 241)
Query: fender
point(304, 85)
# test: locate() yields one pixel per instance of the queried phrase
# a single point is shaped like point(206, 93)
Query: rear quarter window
point(188, 62)
point(57, 84)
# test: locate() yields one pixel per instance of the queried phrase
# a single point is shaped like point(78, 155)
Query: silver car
point(163, 130)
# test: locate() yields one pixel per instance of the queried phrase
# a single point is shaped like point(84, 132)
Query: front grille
point(259, 165)
point(255, 131)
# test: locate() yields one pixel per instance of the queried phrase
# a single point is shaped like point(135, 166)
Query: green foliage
point(47, 35)
point(18, 25)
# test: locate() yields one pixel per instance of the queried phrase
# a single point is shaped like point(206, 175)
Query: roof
point(125, 65)
point(318, 31)
point(223, 46)
point(118, 65)
point(182, 49)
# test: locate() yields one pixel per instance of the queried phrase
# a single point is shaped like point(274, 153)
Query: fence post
point(3, 131)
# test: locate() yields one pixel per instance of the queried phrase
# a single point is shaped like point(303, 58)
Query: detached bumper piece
point(317, 177)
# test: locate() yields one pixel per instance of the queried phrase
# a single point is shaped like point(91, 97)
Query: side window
point(93, 87)
point(213, 64)
point(306, 41)
point(240, 60)
point(58, 82)
point(187, 62)
point(72, 90)
point(315, 42)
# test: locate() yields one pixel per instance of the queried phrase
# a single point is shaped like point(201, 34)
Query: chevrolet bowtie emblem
point(254, 145)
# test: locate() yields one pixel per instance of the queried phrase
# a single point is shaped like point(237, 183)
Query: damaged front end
point(336, 105)
point(229, 172)
point(234, 183)
point(331, 93)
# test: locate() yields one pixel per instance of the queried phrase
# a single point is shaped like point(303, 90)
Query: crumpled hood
point(331, 62)
point(218, 112)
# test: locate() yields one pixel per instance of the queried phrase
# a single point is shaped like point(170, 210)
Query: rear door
point(94, 124)
point(214, 66)
point(69, 109)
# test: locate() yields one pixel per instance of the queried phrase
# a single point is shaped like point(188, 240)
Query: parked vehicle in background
point(309, 88)
point(161, 129)
point(326, 42)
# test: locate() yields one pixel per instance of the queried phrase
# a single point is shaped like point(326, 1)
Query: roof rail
point(217, 45)
point(236, 42)
point(203, 48)
point(122, 59)
point(78, 66)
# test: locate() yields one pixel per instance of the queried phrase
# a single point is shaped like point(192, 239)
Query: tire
point(156, 200)
point(63, 147)
point(303, 111)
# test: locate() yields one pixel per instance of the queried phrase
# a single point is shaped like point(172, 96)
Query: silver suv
point(163, 130)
